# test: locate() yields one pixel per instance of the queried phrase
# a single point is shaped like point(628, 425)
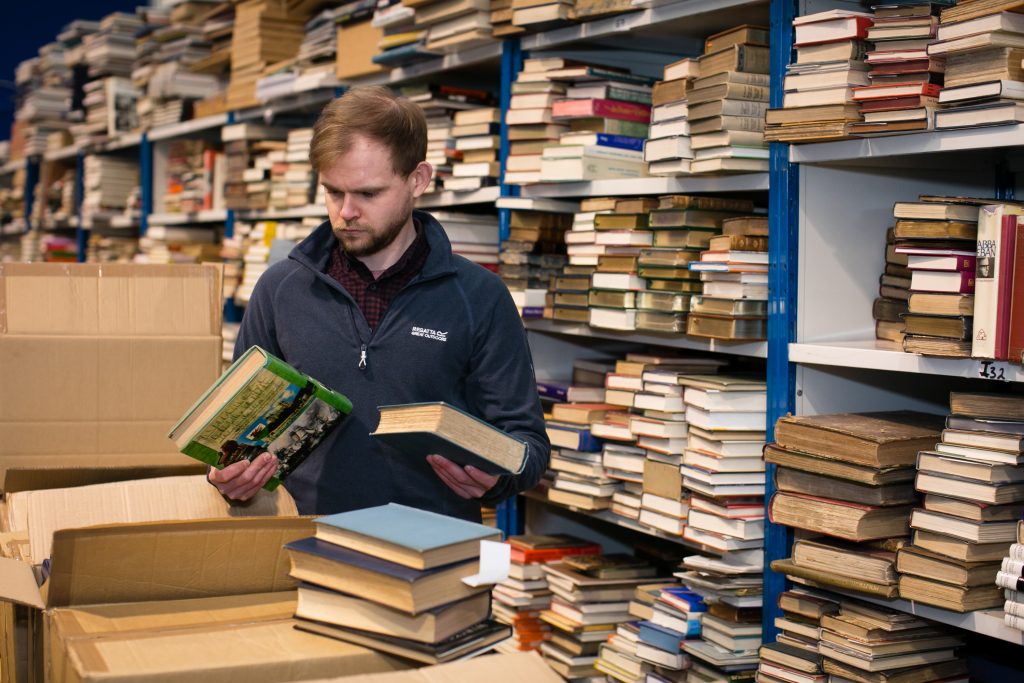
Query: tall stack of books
point(579, 476)
point(110, 109)
point(42, 104)
point(591, 595)
point(818, 101)
point(534, 254)
point(518, 600)
point(731, 588)
point(891, 304)
point(983, 51)
point(111, 249)
point(727, 261)
point(727, 103)
point(292, 180)
point(673, 620)
point(973, 496)
point(247, 164)
point(453, 26)
point(795, 651)
point(530, 126)
point(904, 80)
point(727, 420)
point(110, 51)
point(55, 201)
point(255, 256)
point(402, 43)
point(847, 477)
point(942, 264)
point(315, 62)
point(218, 24)
point(390, 578)
point(475, 132)
point(588, 151)
point(667, 150)
point(1011, 571)
point(110, 184)
point(266, 32)
point(178, 244)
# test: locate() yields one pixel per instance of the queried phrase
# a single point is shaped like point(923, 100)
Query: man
point(375, 305)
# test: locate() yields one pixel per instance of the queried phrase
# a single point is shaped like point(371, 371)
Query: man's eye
point(368, 195)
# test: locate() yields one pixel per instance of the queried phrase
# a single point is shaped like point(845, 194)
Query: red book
point(897, 103)
point(1006, 291)
point(1016, 326)
point(209, 159)
point(831, 30)
point(875, 92)
point(609, 109)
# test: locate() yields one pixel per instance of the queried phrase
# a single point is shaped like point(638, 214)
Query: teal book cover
point(409, 527)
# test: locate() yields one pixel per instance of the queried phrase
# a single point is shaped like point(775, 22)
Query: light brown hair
point(374, 112)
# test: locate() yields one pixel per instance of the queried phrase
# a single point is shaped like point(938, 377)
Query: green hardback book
point(260, 404)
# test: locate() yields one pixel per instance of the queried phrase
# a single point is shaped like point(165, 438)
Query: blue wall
point(26, 26)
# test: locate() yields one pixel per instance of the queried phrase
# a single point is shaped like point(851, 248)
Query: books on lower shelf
point(427, 614)
point(260, 404)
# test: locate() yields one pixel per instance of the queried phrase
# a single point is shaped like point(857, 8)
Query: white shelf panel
point(311, 211)
point(677, 341)
point(647, 18)
point(69, 152)
point(436, 200)
point(184, 128)
point(745, 182)
point(122, 142)
point(218, 216)
point(906, 145)
point(986, 622)
point(874, 354)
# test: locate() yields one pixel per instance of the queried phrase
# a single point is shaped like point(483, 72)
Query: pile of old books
point(391, 578)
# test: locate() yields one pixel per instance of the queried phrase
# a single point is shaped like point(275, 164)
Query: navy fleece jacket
point(452, 334)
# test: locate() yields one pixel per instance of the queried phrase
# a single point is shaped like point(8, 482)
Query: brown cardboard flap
point(110, 299)
point(497, 668)
point(143, 500)
point(39, 478)
point(18, 583)
point(172, 560)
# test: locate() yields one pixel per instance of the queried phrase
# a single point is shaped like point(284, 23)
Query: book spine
point(750, 93)
point(753, 59)
point(624, 111)
point(1013, 621)
point(1011, 566)
point(620, 141)
point(556, 391)
point(986, 283)
point(1015, 334)
point(1009, 581)
point(1012, 607)
point(1016, 552)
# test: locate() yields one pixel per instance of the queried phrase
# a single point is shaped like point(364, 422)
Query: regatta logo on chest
point(427, 333)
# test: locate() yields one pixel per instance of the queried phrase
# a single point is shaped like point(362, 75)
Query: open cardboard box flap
point(496, 668)
point(39, 478)
point(160, 561)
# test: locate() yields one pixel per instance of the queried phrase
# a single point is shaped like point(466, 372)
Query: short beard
point(377, 242)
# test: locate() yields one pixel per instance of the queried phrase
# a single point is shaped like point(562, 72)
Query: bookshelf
point(751, 349)
point(745, 182)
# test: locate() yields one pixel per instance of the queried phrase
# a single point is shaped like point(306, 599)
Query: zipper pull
point(362, 357)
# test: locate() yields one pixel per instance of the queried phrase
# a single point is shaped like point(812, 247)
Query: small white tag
point(494, 560)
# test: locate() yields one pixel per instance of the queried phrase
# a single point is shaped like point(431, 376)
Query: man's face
point(367, 202)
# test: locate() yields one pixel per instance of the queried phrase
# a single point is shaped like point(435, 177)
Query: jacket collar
point(314, 252)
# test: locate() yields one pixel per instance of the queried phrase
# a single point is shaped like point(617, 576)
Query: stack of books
point(581, 480)
point(572, 286)
point(501, 19)
point(973, 496)
point(983, 51)
point(904, 80)
point(727, 103)
point(1011, 572)
point(729, 634)
point(179, 244)
point(439, 105)
point(734, 282)
point(291, 176)
point(795, 651)
point(390, 578)
point(44, 87)
point(608, 113)
point(265, 33)
point(247, 164)
point(518, 600)
point(110, 51)
point(534, 253)
point(818, 102)
point(111, 183)
point(891, 304)
point(453, 26)
point(672, 623)
point(847, 477)
point(255, 257)
point(472, 236)
point(530, 126)
point(475, 132)
point(591, 599)
point(110, 249)
point(110, 109)
point(55, 201)
point(315, 61)
point(943, 263)
point(193, 181)
point(727, 420)
point(667, 150)
point(401, 43)
point(218, 24)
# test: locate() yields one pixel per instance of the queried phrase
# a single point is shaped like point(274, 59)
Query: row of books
point(949, 279)
point(904, 67)
point(905, 508)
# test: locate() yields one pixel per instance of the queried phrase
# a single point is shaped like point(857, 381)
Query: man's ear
point(420, 177)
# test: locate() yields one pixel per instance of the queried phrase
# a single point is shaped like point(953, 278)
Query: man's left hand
point(467, 482)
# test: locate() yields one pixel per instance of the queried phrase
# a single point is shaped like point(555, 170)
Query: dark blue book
point(684, 599)
point(665, 639)
point(386, 583)
point(605, 140)
point(575, 437)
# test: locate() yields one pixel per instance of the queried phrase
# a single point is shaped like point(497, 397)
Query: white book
point(665, 506)
point(726, 401)
point(675, 147)
point(736, 528)
point(666, 523)
point(717, 420)
point(647, 401)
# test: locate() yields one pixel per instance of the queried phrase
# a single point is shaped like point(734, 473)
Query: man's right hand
point(241, 480)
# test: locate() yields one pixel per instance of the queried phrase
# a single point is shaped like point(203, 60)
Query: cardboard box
point(47, 511)
point(357, 44)
point(522, 667)
point(101, 621)
point(100, 360)
point(268, 652)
